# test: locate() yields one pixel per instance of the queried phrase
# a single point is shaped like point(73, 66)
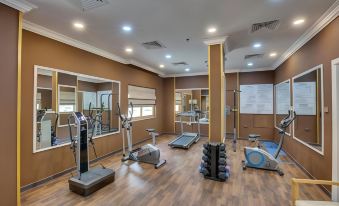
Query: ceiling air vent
point(92, 4)
point(253, 56)
point(153, 45)
point(179, 63)
point(270, 25)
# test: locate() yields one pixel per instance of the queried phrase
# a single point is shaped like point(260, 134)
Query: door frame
point(335, 129)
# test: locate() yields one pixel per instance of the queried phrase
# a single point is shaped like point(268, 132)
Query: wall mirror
point(57, 94)
point(282, 100)
point(308, 104)
point(187, 100)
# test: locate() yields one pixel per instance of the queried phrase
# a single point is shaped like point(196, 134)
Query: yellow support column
point(216, 85)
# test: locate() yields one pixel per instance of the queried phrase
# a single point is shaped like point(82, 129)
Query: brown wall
point(262, 124)
point(191, 82)
point(169, 87)
point(250, 123)
point(39, 50)
point(9, 19)
point(320, 50)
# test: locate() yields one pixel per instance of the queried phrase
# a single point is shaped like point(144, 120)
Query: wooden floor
point(180, 183)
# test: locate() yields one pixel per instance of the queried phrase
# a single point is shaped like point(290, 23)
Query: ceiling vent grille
point(179, 63)
point(253, 56)
point(92, 4)
point(270, 25)
point(153, 45)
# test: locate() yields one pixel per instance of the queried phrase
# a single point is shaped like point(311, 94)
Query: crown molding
point(216, 40)
point(322, 22)
point(249, 70)
point(146, 67)
point(35, 28)
point(226, 71)
point(185, 74)
point(20, 5)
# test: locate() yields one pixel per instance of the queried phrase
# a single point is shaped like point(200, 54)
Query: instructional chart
point(304, 98)
point(256, 99)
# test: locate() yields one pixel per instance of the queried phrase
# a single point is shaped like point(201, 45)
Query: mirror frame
point(175, 91)
point(322, 108)
point(275, 107)
point(36, 67)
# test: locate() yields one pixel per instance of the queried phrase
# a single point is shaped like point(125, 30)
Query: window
point(147, 111)
point(136, 112)
point(143, 100)
point(67, 99)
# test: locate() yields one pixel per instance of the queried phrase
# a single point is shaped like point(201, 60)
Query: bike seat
point(150, 130)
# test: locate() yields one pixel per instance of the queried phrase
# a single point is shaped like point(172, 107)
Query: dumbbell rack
point(214, 164)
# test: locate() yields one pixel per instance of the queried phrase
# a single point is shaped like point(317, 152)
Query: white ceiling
point(173, 21)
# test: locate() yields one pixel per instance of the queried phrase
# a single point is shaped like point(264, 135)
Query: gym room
point(226, 102)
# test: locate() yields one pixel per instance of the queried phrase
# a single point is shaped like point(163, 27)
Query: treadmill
point(186, 139)
point(87, 180)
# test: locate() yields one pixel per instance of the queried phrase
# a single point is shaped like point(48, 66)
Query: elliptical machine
point(261, 159)
point(148, 153)
point(87, 180)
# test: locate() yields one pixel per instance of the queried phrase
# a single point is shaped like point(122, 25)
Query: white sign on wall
point(304, 98)
point(282, 98)
point(256, 99)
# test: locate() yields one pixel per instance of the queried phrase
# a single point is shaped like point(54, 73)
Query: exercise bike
point(148, 153)
point(261, 159)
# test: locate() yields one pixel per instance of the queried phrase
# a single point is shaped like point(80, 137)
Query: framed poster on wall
point(256, 99)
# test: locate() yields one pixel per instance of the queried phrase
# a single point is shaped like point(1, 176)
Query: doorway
point(335, 127)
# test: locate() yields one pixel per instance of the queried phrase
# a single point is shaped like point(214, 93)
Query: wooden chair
point(295, 192)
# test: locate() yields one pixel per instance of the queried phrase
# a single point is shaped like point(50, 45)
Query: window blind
point(141, 95)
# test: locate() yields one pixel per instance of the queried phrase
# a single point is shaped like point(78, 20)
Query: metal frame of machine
point(186, 139)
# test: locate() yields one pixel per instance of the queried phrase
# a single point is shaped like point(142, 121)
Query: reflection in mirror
point(282, 102)
point(58, 94)
point(191, 100)
point(308, 103)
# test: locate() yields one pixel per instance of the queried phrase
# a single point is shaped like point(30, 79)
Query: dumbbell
point(204, 164)
point(222, 147)
point(223, 175)
point(206, 152)
point(205, 158)
point(204, 171)
point(222, 161)
point(222, 155)
point(222, 168)
point(206, 146)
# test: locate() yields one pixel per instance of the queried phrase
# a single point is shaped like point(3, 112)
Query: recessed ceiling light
point(168, 56)
point(129, 50)
point(78, 25)
point(257, 45)
point(273, 54)
point(299, 21)
point(187, 69)
point(211, 30)
point(127, 28)
point(162, 66)
point(249, 64)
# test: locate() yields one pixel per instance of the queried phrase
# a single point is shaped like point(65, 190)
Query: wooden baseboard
point(308, 174)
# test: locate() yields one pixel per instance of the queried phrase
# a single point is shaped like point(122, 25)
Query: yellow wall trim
point(18, 117)
point(209, 92)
